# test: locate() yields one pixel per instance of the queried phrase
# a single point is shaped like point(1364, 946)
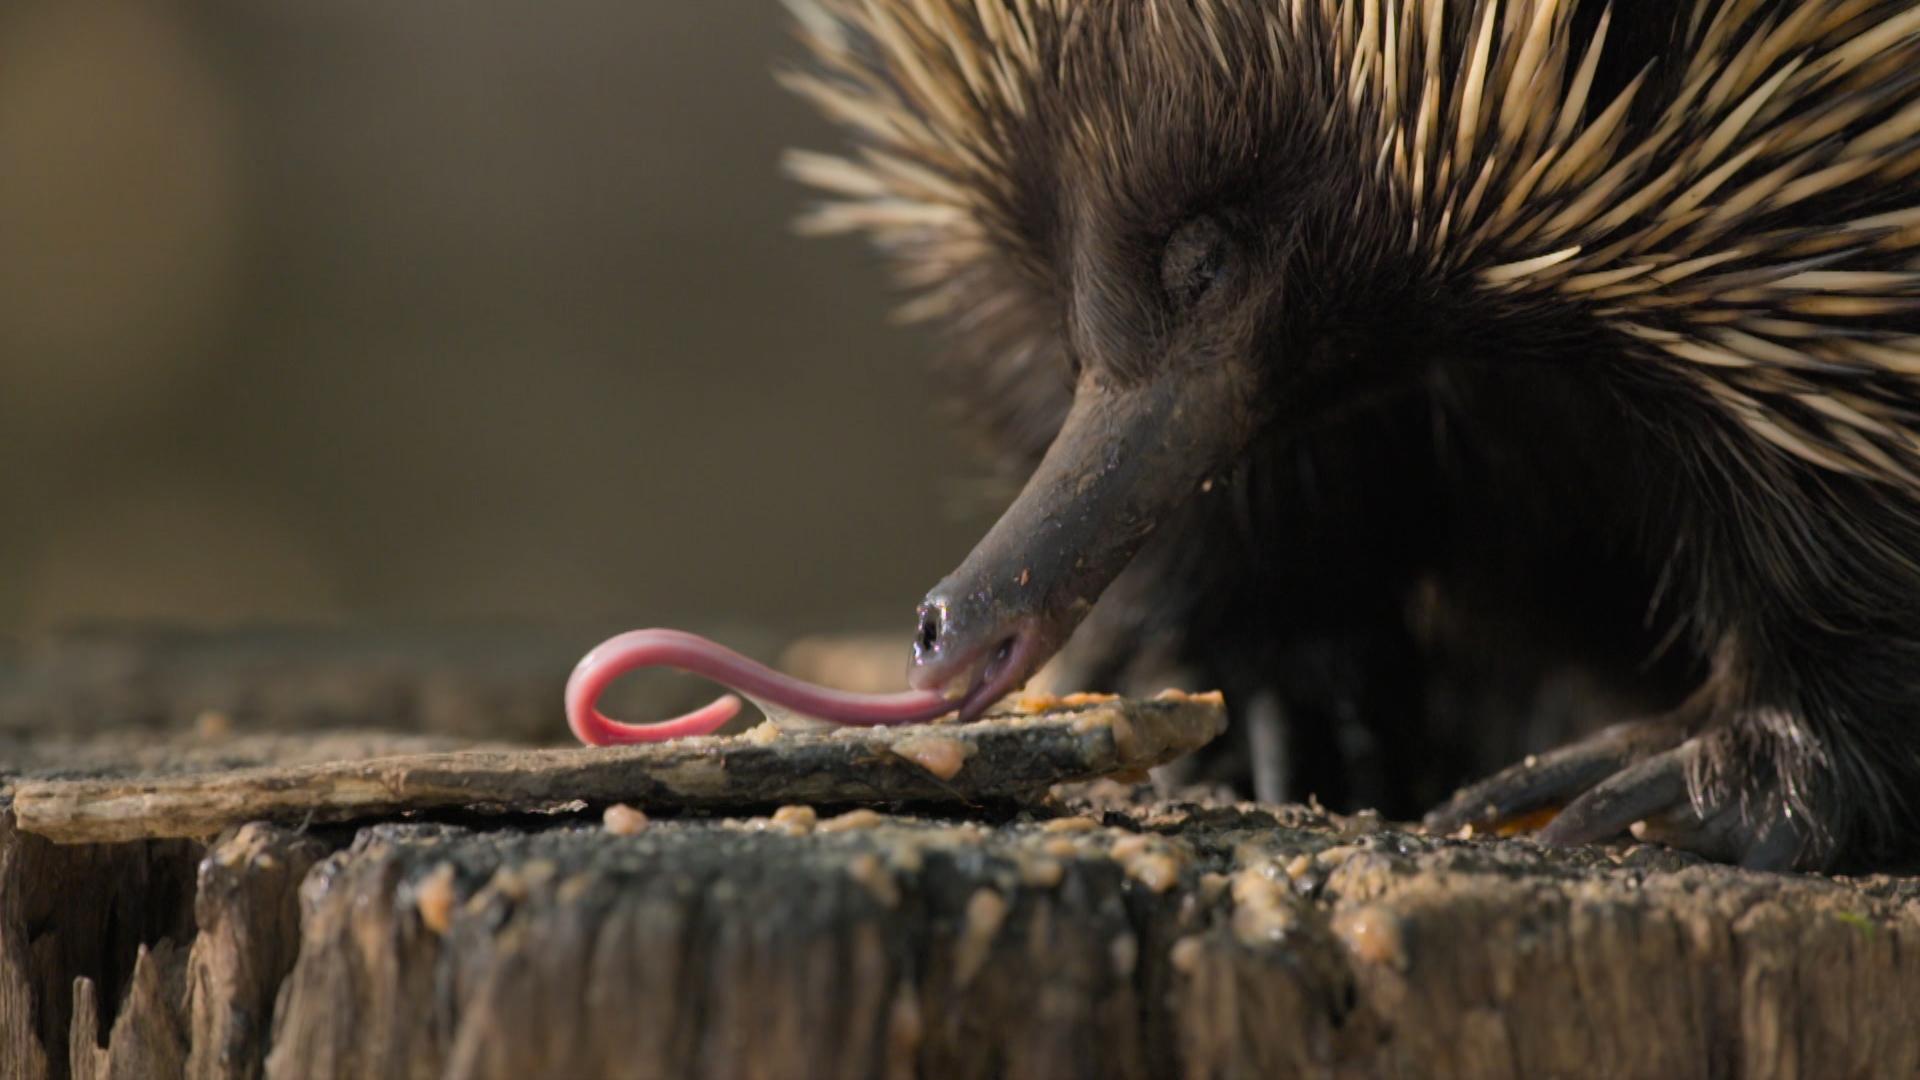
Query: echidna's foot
point(1635, 777)
point(1544, 783)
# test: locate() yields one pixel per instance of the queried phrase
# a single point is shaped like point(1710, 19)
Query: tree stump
point(380, 905)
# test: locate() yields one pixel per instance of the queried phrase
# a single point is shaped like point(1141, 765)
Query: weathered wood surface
point(1094, 932)
point(1000, 757)
point(1117, 940)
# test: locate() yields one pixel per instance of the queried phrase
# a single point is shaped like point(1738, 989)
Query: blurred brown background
point(419, 311)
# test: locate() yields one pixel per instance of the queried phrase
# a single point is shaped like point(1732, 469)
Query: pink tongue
point(696, 655)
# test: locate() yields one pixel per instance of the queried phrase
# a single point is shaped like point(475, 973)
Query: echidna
point(1596, 326)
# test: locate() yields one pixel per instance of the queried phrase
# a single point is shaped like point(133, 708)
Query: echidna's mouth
point(981, 674)
point(1124, 459)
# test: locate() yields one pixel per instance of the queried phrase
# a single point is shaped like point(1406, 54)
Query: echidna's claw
point(1637, 777)
point(1654, 799)
point(1725, 832)
point(1657, 785)
point(1553, 779)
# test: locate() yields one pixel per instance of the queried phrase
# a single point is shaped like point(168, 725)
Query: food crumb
point(851, 820)
point(795, 819)
point(906, 857)
point(1157, 871)
point(1186, 954)
point(1070, 825)
point(1210, 697)
point(434, 897)
point(1147, 861)
point(509, 883)
point(1091, 723)
point(1039, 703)
point(905, 1030)
point(213, 724)
point(575, 887)
point(866, 870)
point(940, 755)
point(1041, 873)
point(1263, 911)
point(986, 911)
point(1212, 884)
point(1375, 935)
point(623, 820)
point(1334, 857)
point(1532, 821)
point(762, 733)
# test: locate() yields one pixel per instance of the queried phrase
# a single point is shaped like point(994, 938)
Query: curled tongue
point(696, 655)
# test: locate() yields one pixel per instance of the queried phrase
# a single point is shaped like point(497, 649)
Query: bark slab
point(1000, 757)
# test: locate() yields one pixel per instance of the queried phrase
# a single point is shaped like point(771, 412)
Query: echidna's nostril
point(929, 635)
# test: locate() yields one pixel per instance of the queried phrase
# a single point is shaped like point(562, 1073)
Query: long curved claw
point(1551, 779)
point(1656, 785)
point(1725, 834)
point(698, 656)
point(1635, 778)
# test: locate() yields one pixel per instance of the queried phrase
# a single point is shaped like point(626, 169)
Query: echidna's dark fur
point(1531, 460)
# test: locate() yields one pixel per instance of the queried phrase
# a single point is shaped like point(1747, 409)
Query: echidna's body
point(1513, 332)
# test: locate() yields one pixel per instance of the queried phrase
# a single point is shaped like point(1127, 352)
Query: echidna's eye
point(1196, 256)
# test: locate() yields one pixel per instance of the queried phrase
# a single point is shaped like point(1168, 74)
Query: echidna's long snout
point(1124, 459)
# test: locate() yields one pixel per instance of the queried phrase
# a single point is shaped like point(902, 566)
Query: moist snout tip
point(931, 632)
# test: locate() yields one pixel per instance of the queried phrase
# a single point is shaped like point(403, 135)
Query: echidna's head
point(1105, 200)
point(1158, 227)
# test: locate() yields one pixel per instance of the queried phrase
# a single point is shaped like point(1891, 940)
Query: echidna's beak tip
point(1122, 461)
point(979, 669)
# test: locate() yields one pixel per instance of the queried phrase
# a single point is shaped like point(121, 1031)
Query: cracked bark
point(1141, 940)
